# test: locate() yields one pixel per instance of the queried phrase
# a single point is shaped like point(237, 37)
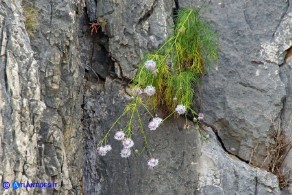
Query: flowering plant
point(166, 79)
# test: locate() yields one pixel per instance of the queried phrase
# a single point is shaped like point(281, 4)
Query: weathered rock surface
point(45, 76)
point(220, 173)
point(133, 28)
point(61, 77)
point(190, 162)
point(20, 96)
point(175, 148)
point(41, 98)
point(244, 94)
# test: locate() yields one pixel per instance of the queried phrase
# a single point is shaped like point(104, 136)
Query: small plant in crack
point(96, 25)
point(165, 79)
point(31, 18)
point(277, 153)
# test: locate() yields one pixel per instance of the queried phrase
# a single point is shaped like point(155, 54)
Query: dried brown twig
point(94, 26)
point(277, 153)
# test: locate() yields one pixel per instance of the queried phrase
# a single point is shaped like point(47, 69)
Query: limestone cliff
point(62, 87)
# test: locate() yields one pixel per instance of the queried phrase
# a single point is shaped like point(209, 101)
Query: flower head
point(180, 109)
point(125, 153)
point(108, 148)
point(128, 143)
point(152, 163)
point(200, 116)
point(150, 90)
point(120, 135)
point(150, 65)
point(154, 124)
point(102, 150)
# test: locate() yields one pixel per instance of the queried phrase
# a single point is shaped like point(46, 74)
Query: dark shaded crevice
point(148, 13)
point(288, 54)
point(256, 186)
point(219, 139)
point(256, 62)
point(250, 86)
point(100, 64)
point(91, 9)
point(175, 11)
point(4, 43)
point(285, 78)
point(176, 3)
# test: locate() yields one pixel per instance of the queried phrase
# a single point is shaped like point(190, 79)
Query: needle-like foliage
point(181, 61)
point(166, 79)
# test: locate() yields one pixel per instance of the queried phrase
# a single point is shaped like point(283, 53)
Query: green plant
point(168, 76)
point(180, 61)
point(31, 18)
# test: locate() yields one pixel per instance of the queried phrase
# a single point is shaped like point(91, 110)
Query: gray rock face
point(47, 78)
point(175, 148)
point(190, 162)
point(242, 96)
point(21, 106)
point(133, 28)
point(244, 93)
point(40, 98)
point(60, 136)
point(220, 173)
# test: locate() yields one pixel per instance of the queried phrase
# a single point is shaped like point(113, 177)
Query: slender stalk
point(143, 133)
point(106, 135)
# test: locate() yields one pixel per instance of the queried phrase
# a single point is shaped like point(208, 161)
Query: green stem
point(146, 109)
point(168, 116)
point(194, 112)
point(106, 135)
point(130, 122)
point(143, 133)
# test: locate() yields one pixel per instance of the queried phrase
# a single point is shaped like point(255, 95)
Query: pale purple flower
point(152, 163)
point(150, 65)
point(154, 124)
point(125, 153)
point(120, 135)
point(200, 116)
point(180, 109)
point(150, 90)
point(108, 148)
point(102, 151)
point(128, 143)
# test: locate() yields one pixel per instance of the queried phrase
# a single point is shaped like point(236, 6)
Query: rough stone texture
point(21, 106)
point(60, 136)
point(284, 42)
point(190, 162)
point(220, 173)
point(242, 96)
point(41, 97)
point(176, 149)
point(245, 93)
point(41, 89)
point(133, 27)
